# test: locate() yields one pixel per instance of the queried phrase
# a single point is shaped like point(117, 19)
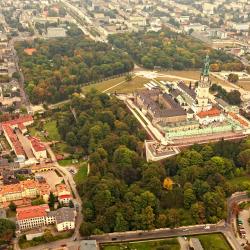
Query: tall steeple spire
point(206, 68)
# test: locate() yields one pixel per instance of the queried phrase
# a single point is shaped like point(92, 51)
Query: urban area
point(125, 124)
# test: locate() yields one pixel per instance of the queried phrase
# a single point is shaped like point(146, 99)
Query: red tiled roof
point(32, 212)
point(212, 112)
point(65, 196)
point(37, 144)
point(21, 119)
point(7, 127)
point(237, 118)
point(30, 51)
point(21, 126)
point(43, 188)
point(13, 138)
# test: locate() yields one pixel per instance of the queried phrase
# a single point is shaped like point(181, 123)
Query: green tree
point(7, 230)
point(189, 198)
point(234, 78)
point(121, 225)
point(12, 206)
point(128, 77)
point(244, 157)
point(52, 200)
point(86, 228)
point(71, 138)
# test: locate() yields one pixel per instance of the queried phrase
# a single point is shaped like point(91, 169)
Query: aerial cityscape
point(125, 124)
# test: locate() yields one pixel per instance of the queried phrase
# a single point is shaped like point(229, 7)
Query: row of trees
point(233, 97)
point(124, 192)
point(60, 66)
point(167, 49)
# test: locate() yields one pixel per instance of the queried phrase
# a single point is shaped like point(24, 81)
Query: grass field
point(50, 127)
point(81, 174)
point(65, 162)
point(109, 86)
point(147, 245)
point(192, 74)
point(245, 85)
point(214, 242)
point(101, 86)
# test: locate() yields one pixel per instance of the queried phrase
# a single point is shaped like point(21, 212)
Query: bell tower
point(202, 91)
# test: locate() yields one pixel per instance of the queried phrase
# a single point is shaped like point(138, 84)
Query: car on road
point(185, 229)
point(207, 227)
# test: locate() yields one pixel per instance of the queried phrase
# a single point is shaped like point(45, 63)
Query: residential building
point(38, 148)
point(28, 189)
point(64, 218)
point(38, 216)
point(32, 217)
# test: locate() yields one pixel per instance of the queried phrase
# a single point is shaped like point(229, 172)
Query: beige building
point(28, 189)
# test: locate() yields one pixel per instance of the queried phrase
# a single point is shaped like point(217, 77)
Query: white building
point(39, 216)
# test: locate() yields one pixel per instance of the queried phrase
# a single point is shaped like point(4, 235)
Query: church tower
point(202, 91)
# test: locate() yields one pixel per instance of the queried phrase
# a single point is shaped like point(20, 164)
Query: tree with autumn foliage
point(168, 183)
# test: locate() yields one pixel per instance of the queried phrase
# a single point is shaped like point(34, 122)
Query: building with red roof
point(32, 216)
point(210, 116)
point(28, 189)
point(65, 199)
point(39, 216)
point(38, 148)
point(8, 129)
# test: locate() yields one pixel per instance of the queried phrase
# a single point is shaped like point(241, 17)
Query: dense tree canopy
point(167, 49)
point(7, 231)
point(124, 192)
point(60, 66)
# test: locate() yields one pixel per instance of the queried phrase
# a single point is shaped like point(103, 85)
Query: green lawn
point(36, 133)
point(241, 180)
point(101, 86)
point(81, 174)
point(129, 87)
point(125, 87)
point(65, 162)
point(169, 244)
point(50, 127)
point(213, 242)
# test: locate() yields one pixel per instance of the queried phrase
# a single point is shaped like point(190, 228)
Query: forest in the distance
point(59, 67)
point(168, 50)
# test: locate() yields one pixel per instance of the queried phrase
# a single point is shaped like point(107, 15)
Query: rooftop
point(37, 145)
point(63, 214)
point(32, 212)
point(161, 104)
point(210, 113)
point(186, 89)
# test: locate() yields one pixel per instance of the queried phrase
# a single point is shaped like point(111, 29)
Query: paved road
point(224, 228)
point(168, 233)
point(68, 178)
point(24, 96)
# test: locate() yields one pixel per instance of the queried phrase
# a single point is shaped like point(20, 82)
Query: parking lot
point(51, 177)
point(243, 227)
